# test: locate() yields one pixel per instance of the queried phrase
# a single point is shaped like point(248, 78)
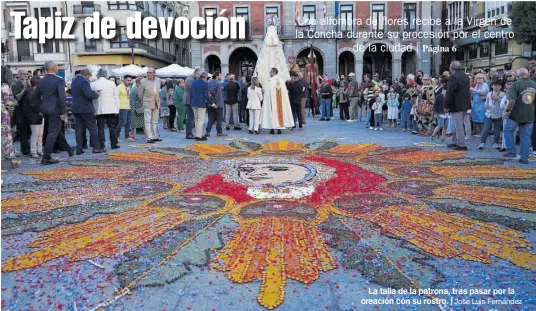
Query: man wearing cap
point(353, 95)
point(106, 107)
point(149, 93)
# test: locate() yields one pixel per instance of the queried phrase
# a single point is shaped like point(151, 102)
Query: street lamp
point(132, 44)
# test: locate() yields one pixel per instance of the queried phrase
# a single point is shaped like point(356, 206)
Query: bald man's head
point(51, 67)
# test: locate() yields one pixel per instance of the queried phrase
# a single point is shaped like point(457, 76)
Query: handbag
point(139, 111)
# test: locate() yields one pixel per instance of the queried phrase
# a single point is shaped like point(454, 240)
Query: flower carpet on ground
point(95, 234)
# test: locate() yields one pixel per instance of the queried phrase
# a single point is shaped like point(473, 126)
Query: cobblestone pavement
point(335, 217)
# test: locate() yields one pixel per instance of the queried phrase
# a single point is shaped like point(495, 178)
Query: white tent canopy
point(174, 70)
point(131, 70)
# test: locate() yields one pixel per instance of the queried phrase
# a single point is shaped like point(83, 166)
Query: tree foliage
point(524, 21)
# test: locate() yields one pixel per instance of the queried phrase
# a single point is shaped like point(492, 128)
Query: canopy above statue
point(271, 56)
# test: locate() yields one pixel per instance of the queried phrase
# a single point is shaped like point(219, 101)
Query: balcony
point(17, 3)
point(20, 58)
point(80, 10)
point(93, 47)
point(472, 23)
point(152, 51)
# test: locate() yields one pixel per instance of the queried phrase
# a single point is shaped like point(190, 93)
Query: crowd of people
point(456, 104)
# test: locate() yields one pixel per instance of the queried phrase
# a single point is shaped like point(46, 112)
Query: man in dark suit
point(50, 95)
point(457, 103)
point(84, 112)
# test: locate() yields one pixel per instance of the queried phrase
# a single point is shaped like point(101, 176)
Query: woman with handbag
point(136, 107)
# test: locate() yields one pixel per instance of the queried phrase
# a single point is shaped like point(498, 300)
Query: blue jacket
point(82, 96)
point(215, 88)
point(200, 94)
point(50, 95)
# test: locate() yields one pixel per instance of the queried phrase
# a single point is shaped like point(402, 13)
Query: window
point(410, 14)
point(489, 14)
point(309, 15)
point(211, 10)
point(378, 16)
point(501, 46)
point(48, 46)
point(242, 12)
point(460, 54)
point(492, 13)
point(125, 5)
point(502, 10)
point(272, 10)
point(309, 12)
point(473, 48)
point(347, 14)
point(484, 49)
point(120, 40)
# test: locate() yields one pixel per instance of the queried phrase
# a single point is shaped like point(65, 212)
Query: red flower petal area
point(216, 184)
point(349, 179)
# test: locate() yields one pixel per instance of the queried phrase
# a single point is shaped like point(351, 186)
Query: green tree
point(524, 21)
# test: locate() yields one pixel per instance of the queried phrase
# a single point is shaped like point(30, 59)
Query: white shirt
point(108, 100)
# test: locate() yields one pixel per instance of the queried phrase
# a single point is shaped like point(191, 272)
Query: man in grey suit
point(188, 102)
point(458, 101)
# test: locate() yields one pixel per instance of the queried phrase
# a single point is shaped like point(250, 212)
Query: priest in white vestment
point(276, 110)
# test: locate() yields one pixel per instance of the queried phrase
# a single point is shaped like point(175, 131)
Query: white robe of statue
point(276, 110)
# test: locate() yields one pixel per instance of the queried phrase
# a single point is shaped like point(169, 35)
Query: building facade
point(334, 55)
point(80, 52)
point(484, 52)
point(24, 54)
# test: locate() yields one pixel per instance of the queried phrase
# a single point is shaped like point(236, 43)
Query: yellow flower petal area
point(145, 157)
point(448, 236)
point(83, 172)
point(427, 155)
point(282, 146)
point(47, 200)
point(107, 236)
point(483, 171)
point(50, 199)
point(273, 249)
point(517, 198)
point(360, 149)
point(216, 150)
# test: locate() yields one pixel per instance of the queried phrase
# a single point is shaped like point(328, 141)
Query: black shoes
point(201, 138)
point(116, 147)
point(250, 131)
point(157, 139)
point(190, 137)
point(237, 128)
point(207, 134)
point(151, 141)
point(458, 148)
point(272, 132)
point(71, 151)
point(257, 132)
point(80, 152)
point(279, 132)
point(49, 161)
point(98, 151)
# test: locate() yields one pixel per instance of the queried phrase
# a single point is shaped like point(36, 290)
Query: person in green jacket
point(178, 101)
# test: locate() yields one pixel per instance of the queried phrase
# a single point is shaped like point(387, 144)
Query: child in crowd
point(439, 110)
point(413, 113)
point(406, 110)
point(392, 107)
point(494, 114)
point(377, 107)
